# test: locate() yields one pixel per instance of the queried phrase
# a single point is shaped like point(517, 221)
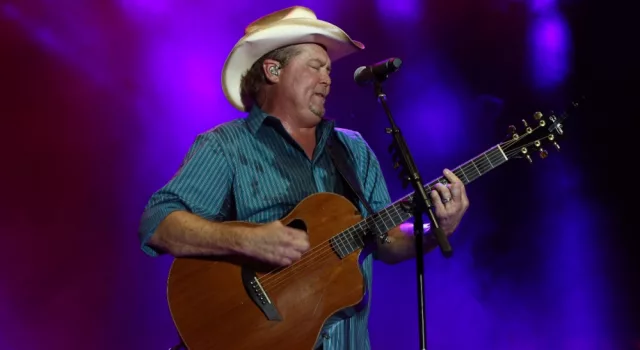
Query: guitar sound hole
point(298, 224)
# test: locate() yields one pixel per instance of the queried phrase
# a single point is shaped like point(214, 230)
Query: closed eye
point(317, 64)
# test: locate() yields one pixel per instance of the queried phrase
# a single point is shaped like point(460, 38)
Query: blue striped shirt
point(250, 169)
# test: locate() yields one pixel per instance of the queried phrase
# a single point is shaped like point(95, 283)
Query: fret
point(337, 247)
point(466, 179)
point(468, 175)
point(360, 241)
point(502, 153)
point(489, 160)
point(378, 220)
point(349, 242)
point(352, 239)
point(496, 156)
point(475, 166)
point(343, 246)
point(473, 170)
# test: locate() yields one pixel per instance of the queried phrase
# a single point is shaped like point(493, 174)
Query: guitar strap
point(340, 158)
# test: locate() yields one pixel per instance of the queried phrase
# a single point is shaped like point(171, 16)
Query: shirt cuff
point(150, 221)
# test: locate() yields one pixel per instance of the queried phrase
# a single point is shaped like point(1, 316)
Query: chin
point(318, 112)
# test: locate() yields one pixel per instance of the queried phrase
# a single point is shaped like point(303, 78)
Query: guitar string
point(339, 239)
point(493, 156)
point(326, 251)
point(273, 285)
point(323, 249)
point(292, 273)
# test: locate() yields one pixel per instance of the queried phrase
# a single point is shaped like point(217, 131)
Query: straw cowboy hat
point(293, 25)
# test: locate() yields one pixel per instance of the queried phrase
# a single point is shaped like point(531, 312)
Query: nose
point(325, 79)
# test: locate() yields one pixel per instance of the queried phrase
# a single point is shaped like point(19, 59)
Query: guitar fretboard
point(352, 239)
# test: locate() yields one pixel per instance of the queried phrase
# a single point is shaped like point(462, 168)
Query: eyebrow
point(316, 60)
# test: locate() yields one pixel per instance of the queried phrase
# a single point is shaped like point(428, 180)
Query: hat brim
point(286, 32)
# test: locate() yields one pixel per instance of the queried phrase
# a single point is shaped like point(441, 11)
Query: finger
point(437, 201)
point(455, 184)
point(299, 241)
point(463, 194)
point(294, 255)
point(294, 232)
point(444, 192)
point(302, 245)
point(284, 261)
point(279, 257)
point(286, 256)
point(450, 176)
point(456, 191)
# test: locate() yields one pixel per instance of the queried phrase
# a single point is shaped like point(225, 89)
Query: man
point(259, 167)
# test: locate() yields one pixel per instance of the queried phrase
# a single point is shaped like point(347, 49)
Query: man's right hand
point(275, 243)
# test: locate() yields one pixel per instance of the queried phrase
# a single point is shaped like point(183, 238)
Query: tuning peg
point(552, 138)
point(528, 129)
point(543, 153)
point(512, 133)
point(525, 152)
point(537, 115)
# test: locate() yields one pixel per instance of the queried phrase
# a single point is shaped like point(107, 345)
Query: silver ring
point(446, 200)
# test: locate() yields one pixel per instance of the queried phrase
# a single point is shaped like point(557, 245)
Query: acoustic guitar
point(234, 303)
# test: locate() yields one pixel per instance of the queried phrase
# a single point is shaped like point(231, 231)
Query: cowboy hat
point(293, 25)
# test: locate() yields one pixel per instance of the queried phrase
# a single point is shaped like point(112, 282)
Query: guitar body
point(213, 308)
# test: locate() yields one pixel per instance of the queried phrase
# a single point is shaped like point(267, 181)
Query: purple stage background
point(100, 101)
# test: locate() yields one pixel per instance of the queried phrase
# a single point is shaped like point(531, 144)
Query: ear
point(271, 70)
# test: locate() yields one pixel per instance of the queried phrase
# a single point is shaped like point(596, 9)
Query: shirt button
point(325, 335)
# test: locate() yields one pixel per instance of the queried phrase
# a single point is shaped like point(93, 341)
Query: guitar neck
point(399, 212)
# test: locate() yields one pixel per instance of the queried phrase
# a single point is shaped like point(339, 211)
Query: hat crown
point(274, 17)
point(289, 26)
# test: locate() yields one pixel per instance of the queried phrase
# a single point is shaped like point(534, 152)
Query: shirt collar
point(255, 119)
point(257, 116)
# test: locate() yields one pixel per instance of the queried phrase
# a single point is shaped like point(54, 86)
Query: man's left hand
point(451, 202)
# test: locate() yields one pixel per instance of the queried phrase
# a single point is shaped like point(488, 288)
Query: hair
point(254, 79)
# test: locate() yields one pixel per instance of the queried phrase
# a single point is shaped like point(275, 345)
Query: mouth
point(321, 95)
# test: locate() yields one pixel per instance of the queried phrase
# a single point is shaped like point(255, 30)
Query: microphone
point(377, 71)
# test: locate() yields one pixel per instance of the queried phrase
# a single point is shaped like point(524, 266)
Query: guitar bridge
point(259, 295)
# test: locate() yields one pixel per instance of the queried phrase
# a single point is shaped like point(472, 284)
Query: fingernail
point(447, 171)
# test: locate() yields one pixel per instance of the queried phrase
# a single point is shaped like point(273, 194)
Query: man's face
point(305, 82)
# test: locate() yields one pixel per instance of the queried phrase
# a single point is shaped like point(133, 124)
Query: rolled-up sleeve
point(202, 186)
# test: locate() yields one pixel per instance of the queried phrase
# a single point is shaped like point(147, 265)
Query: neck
point(290, 119)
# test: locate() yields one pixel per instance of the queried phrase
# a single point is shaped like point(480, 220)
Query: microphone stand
point(420, 205)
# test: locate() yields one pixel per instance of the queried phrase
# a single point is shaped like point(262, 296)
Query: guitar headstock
point(537, 136)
